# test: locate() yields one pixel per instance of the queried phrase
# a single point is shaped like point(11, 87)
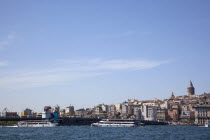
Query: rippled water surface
point(98, 133)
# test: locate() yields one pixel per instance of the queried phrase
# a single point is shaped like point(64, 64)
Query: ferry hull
point(113, 125)
point(36, 124)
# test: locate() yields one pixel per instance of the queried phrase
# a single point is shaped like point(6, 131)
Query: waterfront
point(86, 132)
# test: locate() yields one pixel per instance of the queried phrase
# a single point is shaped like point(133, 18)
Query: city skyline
point(189, 95)
point(85, 53)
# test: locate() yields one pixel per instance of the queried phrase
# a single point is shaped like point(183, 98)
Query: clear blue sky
point(89, 52)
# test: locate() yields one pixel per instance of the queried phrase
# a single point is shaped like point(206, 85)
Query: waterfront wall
point(75, 121)
point(78, 121)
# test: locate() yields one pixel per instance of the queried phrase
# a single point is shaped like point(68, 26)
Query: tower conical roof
point(191, 85)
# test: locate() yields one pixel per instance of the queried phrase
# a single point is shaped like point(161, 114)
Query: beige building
point(80, 112)
point(112, 111)
point(162, 114)
point(118, 107)
point(173, 111)
point(62, 112)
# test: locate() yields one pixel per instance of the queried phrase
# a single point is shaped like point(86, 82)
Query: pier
point(74, 121)
point(154, 122)
point(62, 121)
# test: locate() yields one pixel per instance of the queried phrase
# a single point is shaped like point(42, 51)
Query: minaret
point(191, 89)
point(172, 96)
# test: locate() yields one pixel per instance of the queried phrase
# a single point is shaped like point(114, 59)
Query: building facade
point(202, 114)
point(69, 110)
point(149, 113)
point(162, 114)
point(112, 111)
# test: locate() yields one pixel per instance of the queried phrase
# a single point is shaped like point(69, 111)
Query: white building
point(69, 110)
point(164, 105)
point(149, 113)
point(118, 107)
point(46, 115)
point(105, 108)
point(137, 113)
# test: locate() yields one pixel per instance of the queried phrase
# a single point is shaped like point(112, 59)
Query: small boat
point(141, 124)
point(115, 123)
point(207, 124)
point(36, 123)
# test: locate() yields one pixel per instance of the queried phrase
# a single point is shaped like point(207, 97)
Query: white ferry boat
point(115, 123)
point(36, 123)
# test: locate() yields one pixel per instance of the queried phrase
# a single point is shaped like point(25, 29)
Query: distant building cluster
point(186, 109)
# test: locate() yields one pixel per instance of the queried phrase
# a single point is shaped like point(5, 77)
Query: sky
point(85, 53)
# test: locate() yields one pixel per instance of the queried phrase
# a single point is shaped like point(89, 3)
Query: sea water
point(106, 133)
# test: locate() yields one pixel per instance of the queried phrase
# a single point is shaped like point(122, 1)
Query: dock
point(66, 121)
